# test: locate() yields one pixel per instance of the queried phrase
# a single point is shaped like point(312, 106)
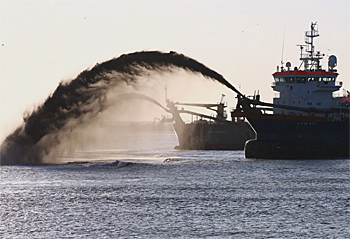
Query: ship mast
point(311, 58)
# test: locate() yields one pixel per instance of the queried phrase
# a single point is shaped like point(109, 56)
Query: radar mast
point(311, 58)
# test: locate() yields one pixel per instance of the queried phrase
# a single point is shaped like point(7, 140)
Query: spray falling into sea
point(79, 101)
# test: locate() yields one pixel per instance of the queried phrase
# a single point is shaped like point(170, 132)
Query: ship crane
point(176, 112)
point(205, 116)
point(218, 108)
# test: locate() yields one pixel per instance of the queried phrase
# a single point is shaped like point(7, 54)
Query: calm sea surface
point(137, 186)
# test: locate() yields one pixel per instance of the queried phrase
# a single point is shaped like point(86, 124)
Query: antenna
point(311, 58)
point(288, 65)
point(332, 63)
point(284, 33)
point(222, 99)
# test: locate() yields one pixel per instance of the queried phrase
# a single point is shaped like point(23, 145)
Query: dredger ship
point(306, 120)
point(209, 132)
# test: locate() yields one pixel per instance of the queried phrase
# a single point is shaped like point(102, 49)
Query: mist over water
point(75, 105)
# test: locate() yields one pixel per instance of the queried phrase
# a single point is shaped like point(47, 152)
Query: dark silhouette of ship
point(209, 132)
point(306, 120)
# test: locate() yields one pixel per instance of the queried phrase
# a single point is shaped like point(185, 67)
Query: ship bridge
point(298, 76)
point(311, 81)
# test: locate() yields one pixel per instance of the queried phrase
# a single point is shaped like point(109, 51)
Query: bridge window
point(290, 79)
point(301, 80)
point(328, 79)
point(279, 79)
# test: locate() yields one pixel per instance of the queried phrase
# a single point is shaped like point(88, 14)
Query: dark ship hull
point(293, 137)
point(214, 133)
point(206, 135)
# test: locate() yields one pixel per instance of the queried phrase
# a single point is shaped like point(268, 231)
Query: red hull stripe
point(346, 99)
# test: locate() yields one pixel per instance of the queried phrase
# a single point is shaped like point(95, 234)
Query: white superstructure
point(311, 87)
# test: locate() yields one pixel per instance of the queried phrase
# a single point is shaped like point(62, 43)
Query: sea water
point(138, 186)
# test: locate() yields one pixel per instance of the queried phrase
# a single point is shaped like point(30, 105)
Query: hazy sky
point(45, 42)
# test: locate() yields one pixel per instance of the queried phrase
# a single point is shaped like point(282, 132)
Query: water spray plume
point(129, 96)
point(77, 102)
